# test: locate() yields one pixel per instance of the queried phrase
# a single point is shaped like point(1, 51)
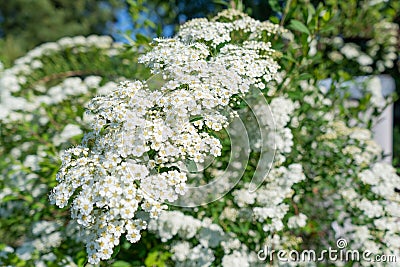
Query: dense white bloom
point(299, 220)
point(198, 256)
point(172, 223)
point(180, 251)
point(236, 259)
point(70, 131)
point(127, 165)
point(370, 208)
point(350, 50)
point(216, 32)
point(378, 211)
point(364, 60)
point(244, 197)
point(32, 162)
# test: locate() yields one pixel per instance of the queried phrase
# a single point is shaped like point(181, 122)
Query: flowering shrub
point(42, 100)
point(171, 124)
point(355, 47)
point(136, 175)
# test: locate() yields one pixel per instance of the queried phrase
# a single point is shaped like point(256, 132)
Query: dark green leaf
point(305, 76)
point(299, 26)
point(116, 251)
point(196, 118)
point(311, 12)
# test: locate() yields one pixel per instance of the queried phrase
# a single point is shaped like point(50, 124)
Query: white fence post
point(383, 130)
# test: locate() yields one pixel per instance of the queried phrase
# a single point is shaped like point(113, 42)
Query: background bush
point(43, 96)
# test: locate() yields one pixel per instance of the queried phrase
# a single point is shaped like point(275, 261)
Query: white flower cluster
point(250, 58)
point(369, 190)
point(359, 205)
point(297, 221)
point(266, 206)
point(45, 236)
point(23, 108)
point(382, 212)
point(40, 113)
point(361, 148)
point(174, 225)
point(48, 235)
point(379, 52)
point(378, 99)
point(112, 185)
point(267, 203)
point(385, 41)
point(35, 110)
point(13, 81)
point(281, 136)
point(222, 28)
point(126, 167)
point(171, 223)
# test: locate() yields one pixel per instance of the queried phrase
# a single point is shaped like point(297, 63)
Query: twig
point(285, 12)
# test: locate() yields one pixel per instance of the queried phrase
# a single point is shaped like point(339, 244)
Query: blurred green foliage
point(25, 23)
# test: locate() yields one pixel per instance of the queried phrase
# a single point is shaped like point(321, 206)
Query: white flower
point(124, 166)
point(236, 259)
point(180, 251)
point(32, 161)
point(299, 220)
point(350, 50)
point(244, 197)
point(370, 208)
point(25, 251)
point(364, 60)
point(69, 131)
point(172, 223)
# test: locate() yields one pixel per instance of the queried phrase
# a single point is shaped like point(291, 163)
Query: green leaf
point(151, 259)
point(221, 2)
point(81, 258)
point(9, 198)
point(157, 258)
point(299, 26)
point(195, 118)
point(326, 16)
point(274, 19)
point(311, 12)
point(116, 251)
point(150, 24)
point(290, 58)
point(304, 76)
point(142, 39)
point(81, 262)
point(274, 4)
point(121, 264)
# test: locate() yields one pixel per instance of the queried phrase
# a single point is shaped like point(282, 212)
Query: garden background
point(57, 56)
point(22, 29)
